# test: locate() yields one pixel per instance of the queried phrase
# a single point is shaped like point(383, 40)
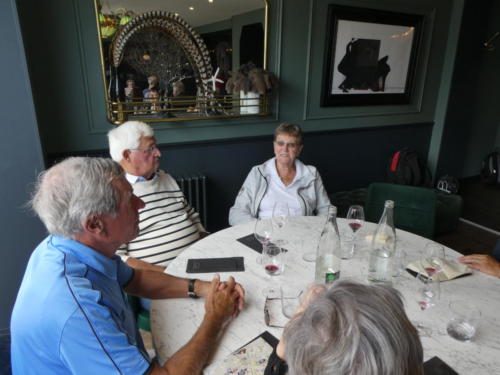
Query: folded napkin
point(449, 269)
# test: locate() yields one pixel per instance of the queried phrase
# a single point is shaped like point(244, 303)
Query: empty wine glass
point(262, 232)
point(273, 262)
point(434, 256)
point(280, 215)
point(355, 220)
point(428, 293)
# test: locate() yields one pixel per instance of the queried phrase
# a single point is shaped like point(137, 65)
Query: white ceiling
point(203, 13)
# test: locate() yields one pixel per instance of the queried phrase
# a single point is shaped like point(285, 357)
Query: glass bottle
point(329, 251)
point(383, 248)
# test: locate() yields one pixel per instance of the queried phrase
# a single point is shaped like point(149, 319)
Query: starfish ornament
point(214, 79)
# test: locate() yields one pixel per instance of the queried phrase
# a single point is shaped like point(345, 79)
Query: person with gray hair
point(71, 314)
point(167, 224)
point(352, 328)
point(283, 178)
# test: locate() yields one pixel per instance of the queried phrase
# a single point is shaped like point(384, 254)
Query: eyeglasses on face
point(291, 145)
point(148, 150)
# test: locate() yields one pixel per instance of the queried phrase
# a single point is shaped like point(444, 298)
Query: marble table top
point(174, 321)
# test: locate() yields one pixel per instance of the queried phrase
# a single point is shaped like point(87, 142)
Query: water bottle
point(329, 251)
point(383, 249)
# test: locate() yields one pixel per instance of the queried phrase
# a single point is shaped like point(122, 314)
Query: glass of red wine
point(428, 292)
point(355, 220)
point(273, 262)
point(262, 232)
point(434, 257)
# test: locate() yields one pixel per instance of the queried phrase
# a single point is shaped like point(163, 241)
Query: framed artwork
point(370, 56)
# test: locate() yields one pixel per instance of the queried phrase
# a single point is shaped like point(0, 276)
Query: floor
point(147, 338)
point(481, 205)
point(468, 239)
point(481, 202)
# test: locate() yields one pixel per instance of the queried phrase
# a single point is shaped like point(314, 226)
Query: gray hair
point(127, 136)
point(353, 329)
point(289, 129)
point(71, 191)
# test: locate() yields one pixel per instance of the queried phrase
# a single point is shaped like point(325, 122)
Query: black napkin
point(252, 243)
point(436, 366)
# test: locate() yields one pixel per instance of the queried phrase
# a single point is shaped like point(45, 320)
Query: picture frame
point(370, 56)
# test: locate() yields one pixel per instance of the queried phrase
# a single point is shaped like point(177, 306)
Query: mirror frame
point(190, 41)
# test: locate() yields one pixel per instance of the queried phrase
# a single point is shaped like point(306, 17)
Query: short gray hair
point(291, 130)
point(127, 136)
point(353, 329)
point(74, 189)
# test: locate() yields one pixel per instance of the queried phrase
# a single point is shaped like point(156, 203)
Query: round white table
point(174, 321)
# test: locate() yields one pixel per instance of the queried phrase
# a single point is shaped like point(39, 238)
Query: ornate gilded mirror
point(172, 60)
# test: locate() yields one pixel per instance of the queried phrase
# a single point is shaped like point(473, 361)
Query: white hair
point(71, 191)
point(353, 329)
point(127, 136)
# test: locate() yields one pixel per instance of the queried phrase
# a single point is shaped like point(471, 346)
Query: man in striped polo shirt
point(168, 224)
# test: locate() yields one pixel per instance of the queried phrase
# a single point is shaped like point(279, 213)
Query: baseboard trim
point(480, 226)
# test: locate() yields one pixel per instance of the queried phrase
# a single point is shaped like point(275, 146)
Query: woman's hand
point(483, 263)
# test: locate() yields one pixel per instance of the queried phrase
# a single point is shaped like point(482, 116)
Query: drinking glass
point(262, 232)
point(427, 295)
point(434, 256)
point(280, 215)
point(464, 321)
point(273, 263)
point(290, 299)
point(355, 220)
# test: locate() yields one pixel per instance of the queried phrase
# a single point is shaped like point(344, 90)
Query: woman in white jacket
point(283, 178)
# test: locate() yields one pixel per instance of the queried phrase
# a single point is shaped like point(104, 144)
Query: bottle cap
point(389, 204)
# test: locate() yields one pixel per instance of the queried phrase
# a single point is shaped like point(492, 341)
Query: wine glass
point(280, 215)
point(428, 293)
point(262, 232)
point(273, 263)
point(355, 220)
point(434, 256)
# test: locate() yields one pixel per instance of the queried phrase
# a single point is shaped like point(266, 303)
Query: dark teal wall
point(346, 159)
point(20, 160)
point(485, 106)
point(73, 117)
point(473, 115)
point(349, 144)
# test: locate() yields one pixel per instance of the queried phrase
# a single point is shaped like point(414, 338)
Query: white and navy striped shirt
point(167, 223)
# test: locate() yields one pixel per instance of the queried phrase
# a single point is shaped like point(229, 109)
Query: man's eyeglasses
point(148, 150)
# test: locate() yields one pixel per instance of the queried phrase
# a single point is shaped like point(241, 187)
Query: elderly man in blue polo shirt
point(71, 315)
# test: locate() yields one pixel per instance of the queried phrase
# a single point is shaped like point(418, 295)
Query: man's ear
point(126, 155)
point(93, 225)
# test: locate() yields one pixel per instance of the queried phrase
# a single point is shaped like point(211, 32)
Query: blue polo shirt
point(71, 315)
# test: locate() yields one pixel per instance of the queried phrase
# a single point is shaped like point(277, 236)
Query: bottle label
point(331, 277)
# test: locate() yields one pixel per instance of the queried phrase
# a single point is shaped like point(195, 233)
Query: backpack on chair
point(406, 167)
point(489, 169)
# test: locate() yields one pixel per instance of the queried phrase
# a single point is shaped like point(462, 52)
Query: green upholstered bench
point(448, 207)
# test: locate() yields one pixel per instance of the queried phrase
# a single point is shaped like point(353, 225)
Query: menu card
point(250, 359)
point(449, 269)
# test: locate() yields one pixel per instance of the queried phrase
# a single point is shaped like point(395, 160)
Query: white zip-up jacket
point(312, 194)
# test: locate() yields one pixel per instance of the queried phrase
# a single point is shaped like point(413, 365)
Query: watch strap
point(191, 292)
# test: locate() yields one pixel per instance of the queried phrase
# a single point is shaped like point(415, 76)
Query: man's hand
point(202, 289)
point(483, 263)
point(222, 300)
